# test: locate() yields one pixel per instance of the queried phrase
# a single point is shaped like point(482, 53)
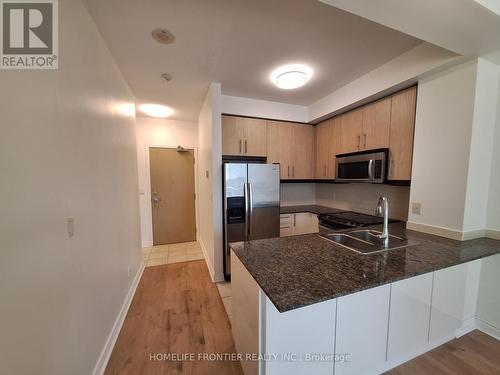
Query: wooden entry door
point(172, 195)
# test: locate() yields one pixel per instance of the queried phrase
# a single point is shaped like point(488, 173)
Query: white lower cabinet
point(448, 303)
point(298, 223)
point(409, 317)
point(361, 333)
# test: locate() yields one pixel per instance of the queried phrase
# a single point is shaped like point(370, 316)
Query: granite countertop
point(314, 209)
point(302, 270)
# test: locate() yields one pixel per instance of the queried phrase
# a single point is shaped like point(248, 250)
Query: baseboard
point(147, 244)
point(102, 362)
point(493, 233)
point(216, 277)
point(468, 326)
point(452, 233)
point(438, 231)
point(487, 328)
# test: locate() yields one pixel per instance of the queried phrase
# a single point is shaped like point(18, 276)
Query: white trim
point(493, 233)
point(102, 362)
point(438, 231)
point(453, 233)
point(468, 325)
point(147, 244)
point(216, 277)
point(487, 328)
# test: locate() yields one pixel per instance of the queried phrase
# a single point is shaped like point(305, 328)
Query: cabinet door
point(322, 148)
point(351, 125)
point(304, 223)
point(362, 322)
point(376, 123)
point(232, 135)
point(410, 312)
point(401, 134)
point(279, 135)
point(334, 146)
point(286, 225)
point(448, 303)
point(255, 137)
point(302, 151)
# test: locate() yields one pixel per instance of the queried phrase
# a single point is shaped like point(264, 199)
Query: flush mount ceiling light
point(156, 110)
point(291, 76)
point(163, 36)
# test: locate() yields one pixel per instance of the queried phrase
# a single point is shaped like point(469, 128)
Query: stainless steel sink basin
point(367, 241)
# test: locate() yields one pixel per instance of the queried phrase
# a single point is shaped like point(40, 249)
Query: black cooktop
point(349, 219)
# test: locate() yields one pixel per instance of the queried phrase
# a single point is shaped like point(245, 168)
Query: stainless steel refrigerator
point(251, 204)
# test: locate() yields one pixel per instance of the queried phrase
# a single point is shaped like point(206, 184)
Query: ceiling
point(238, 43)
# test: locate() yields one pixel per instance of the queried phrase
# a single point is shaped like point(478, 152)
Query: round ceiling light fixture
point(156, 110)
point(291, 76)
point(163, 36)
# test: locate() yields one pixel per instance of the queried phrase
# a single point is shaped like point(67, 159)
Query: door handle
point(359, 141)
point(324, 171)
point(154, 197)
point(240, 146)
point(288, 171)
point(293, 170)
point(246, 146)
point(247, 209)
point(364, 146)
point(250, 209)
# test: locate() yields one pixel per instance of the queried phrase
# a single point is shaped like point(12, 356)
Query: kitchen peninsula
point(321, 308)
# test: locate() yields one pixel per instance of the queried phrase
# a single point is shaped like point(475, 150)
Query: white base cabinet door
point(298, 223)
point(409, 318)
point(448, 303)
point(361, 333)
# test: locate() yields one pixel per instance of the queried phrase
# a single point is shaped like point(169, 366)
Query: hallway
point(176, 310)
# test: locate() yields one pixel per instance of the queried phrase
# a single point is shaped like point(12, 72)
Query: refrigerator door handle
point(250, 209)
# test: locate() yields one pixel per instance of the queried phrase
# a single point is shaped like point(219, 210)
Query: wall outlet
point(416, 208)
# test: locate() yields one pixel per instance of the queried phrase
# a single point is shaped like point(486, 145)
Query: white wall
point(443, 129)
point(493, 216)
point(397, 73)
point(481, 148)
point(158, 132)
point(364, 197)
point(235, 105)
point(66, 150)
point(210, 181)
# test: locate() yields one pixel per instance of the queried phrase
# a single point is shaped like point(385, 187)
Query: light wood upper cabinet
point(255, 137)
point(323, 135)
point(244, 136)
point(302, 148)
point(334, 146)
point(376, 124)
point(402, 128)
point(291, 145)
point(279, 146)
point(232, 135)
point(351, 126)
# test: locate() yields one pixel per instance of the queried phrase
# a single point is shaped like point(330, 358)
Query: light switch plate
point(416, 208)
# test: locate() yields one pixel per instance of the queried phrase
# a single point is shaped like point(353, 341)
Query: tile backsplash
point(353, 197)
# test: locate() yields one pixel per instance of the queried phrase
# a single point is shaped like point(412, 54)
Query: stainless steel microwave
point(366, 166)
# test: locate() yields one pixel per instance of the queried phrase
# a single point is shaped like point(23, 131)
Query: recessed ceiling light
point(163, 36)
point(291, 76)
point(156, 110)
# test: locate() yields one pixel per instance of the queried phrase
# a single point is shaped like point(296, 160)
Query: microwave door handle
point(371, 169)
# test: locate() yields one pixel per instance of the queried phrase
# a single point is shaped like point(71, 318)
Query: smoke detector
point(163, 36)
point(166, 77)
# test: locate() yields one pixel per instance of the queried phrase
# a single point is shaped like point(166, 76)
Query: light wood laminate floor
point(473, 354)
point(176, 309)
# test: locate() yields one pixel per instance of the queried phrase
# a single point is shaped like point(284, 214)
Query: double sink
point(367, 241)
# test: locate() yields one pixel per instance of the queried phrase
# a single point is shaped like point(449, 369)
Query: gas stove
point(348, 219)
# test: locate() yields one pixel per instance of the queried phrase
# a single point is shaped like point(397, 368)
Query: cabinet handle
point(288, 171)
point(246, 146)
point(240, 146)
point(359, 141)
point(293, 170)
point(294, 220)
point(365, 142)
point(324, 171)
